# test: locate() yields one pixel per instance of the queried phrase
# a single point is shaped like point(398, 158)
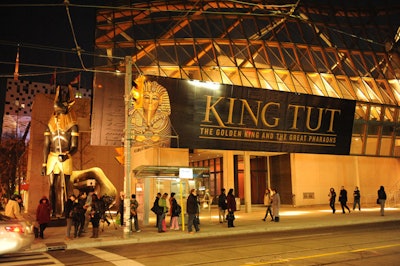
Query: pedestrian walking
point(97, 209)
point(78, 217)
point(192, 209)
point(88, 209)
point(163, 209)
point(175, 212)
point(276, 204)
point(231, 202)
point(43, 212)
point(357, 197)
point(155, 208)
point(332, 199)
point(268, 204)
point(170, 207)
point(121, 208)
point(222, 206)
point(382, 199)
point(69, 211)
point(134, 214)
point(12, 208)
point(343, 199)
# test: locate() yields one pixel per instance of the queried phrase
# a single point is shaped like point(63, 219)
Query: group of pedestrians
point(79, 212)
point(161, 210)
point(14, 209)
point(226, 206)
point(82, 210)
point(272, 201)
point(86, 208)
point(356, 199)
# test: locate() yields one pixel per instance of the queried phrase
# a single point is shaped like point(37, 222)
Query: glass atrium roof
point(342, 48)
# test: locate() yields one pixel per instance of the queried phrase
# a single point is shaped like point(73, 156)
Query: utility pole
point(127, 142)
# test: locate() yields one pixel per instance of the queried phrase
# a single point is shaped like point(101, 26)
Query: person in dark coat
point(155, 207)
point(43, 212)
point(231, 202)
point(382, 199)
point(175, 211)
point(357, 197)
point(121, 207)
point(222, 206)
point(96, 212)
point(332, 199)
point(78, 217)
point(79, 220)
point(69, 211)
point(192, 209)
point(343, 199)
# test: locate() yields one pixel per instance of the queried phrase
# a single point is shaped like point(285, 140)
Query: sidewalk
point(291, 218)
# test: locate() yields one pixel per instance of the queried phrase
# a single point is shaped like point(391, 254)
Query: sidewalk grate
point(56, 246)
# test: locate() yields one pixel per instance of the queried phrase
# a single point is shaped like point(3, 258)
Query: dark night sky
point(46, 27)
point(45, 40)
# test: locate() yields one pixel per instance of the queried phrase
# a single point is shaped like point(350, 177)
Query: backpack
point(178, 209)
point(156, 209)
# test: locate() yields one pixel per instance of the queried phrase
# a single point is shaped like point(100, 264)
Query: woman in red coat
point(43, 214)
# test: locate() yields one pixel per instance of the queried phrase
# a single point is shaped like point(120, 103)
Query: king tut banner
point(170, 112)
point(199, 115)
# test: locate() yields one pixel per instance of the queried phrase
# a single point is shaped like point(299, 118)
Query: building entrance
point(259, 178)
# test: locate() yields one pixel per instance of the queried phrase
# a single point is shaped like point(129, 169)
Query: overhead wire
point(105, 7)
point(65, 71)
point(79, 51)
point(54, 49)
point(77, 47)
point(127, 8)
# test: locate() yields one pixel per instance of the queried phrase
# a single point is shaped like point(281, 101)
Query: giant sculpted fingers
point(44, 170)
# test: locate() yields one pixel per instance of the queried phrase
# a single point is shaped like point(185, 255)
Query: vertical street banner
point(108, 116)
point(206, 115)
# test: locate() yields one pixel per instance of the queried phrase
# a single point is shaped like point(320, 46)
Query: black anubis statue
point(60, 143)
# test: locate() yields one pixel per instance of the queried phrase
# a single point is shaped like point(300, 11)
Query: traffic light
point(136, 92)
point(120, 155)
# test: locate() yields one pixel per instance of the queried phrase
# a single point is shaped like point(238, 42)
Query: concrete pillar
point(247, 182)
point(228, 166)
point(357, 175)
point(147, 202)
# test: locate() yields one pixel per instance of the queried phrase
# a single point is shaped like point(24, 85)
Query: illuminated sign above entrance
point(242, 118)
point(180, 113)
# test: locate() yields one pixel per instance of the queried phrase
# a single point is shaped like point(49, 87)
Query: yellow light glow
point(206, 84)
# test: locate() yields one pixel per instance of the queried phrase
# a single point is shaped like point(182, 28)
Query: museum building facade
point(300, 96)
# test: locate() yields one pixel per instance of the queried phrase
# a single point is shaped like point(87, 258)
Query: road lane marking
point(322, 255)
point(29, 259)
point(111, 257)
point(301, 236)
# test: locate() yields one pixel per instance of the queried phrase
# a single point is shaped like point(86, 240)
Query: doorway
point(259, 178)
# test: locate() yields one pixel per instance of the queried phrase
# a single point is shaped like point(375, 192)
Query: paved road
point(354, 244)
point(292, 218)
